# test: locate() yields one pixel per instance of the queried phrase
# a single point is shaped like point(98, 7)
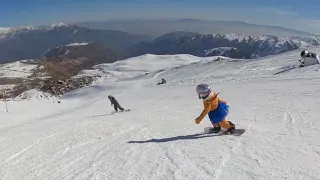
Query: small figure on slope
point(308, 58)
point(163, 81)
point(115, 103)
point(216, 109)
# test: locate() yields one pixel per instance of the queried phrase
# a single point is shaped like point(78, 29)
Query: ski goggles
point(203, 95)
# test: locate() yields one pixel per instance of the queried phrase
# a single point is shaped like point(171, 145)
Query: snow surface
point(34, 94)
point(158, 138)
point(18, 69)
point(144, 66)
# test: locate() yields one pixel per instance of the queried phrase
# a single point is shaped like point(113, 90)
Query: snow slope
point(142, 67)
point(158, 139)
point(18, 69)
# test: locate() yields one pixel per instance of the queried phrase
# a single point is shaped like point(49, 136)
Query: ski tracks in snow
point(101, 154)
point(234, 148)
point(232, 153)
point(18, 153)
point(289, 120)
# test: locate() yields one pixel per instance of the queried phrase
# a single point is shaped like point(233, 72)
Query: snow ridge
point(11, 31)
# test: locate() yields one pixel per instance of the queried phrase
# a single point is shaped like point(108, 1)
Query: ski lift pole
point(5, 100)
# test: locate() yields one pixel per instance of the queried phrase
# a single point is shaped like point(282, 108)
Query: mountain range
point(230, 45)
point(33, 42)
point(158, 27)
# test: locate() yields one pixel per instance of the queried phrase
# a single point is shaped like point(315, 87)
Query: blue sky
point(301, 15)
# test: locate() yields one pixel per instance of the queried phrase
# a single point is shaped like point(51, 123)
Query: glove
point(197, 120)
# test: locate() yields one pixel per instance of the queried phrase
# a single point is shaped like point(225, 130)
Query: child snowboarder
point(216, 109)
point(115, 103)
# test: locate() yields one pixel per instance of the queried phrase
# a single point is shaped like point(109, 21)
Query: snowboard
point(238, 132)
point(126, 110)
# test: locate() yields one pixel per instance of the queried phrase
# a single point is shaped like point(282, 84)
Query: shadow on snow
point(238, 132)
point(186, 137)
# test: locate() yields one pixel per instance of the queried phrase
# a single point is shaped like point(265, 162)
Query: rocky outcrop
point(61, 87)
point(87, 54)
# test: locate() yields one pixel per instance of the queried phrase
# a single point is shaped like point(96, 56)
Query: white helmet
point(304, 53)
point(203, 91)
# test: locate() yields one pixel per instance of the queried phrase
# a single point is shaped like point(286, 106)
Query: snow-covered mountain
point(231, 52)
point(240, 46)
point(31, 42)
point(219, 51)
point(6, 32)
point(80, 138)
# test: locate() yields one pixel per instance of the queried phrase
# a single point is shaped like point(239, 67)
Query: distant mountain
point(31, 42)
point(230, 45)
point(175, 35)
point(84, 55)
point(163, 26)
point(231, 52)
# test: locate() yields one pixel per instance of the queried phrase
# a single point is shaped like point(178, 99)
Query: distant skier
point(163, 81)
point(115, 103)
point(216, 109)
point(308, 58)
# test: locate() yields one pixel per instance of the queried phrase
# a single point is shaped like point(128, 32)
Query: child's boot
point(216, 129)
point(232, 129)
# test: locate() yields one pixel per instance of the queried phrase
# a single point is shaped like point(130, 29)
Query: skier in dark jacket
point(163, 81)
point(115, 103)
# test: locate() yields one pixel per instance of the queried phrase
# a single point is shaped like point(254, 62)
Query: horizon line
point(153, 19)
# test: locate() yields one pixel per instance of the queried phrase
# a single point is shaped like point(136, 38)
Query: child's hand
point(197, 120)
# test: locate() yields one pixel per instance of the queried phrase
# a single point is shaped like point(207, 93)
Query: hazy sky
point(301, 15)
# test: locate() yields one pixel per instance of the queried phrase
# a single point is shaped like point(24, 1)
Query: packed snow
point(143, 66)
point(80, 138)
point(34, 94)
point(18, 69)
